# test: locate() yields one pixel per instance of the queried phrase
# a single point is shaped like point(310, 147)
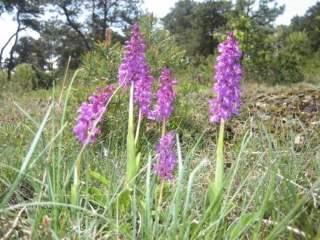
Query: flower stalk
point(132, 164)
point(86, 130)
point(217, 186)
point(138, 127)
point(225, 105)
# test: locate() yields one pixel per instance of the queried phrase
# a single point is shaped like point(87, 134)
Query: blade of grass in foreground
point(26, 161)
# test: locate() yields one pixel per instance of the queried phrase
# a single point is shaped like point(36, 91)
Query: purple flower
point(166, 157)
point(165, 97)
point(134, 69)
point(90, 114)
point(228, 76)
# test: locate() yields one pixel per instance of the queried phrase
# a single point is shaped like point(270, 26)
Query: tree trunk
point(6, 45)
point(105, 14)
point(11, 64)
point(93, 16)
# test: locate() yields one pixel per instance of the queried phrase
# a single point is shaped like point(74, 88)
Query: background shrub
point(24, 78)
point(162, 48)
point(101, 64)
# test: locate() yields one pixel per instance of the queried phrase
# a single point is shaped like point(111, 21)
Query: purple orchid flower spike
point(90, 114)
point(166, 157)
point(135, 69)
point(165, 97)
point(227, 87)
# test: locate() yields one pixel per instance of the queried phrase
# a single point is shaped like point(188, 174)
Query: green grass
point(271, 189)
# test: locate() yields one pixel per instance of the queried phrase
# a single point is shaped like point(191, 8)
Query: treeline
point(73, 28)
point(274, 54)
point(65, 28)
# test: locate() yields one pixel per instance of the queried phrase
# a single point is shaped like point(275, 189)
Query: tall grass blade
point(27, 159)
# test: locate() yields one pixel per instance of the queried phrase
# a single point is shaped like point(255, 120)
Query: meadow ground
point(272, 163)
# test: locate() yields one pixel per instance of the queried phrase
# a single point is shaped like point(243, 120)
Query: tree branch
point(74, 26)
point(7, 43)
point(10, 64)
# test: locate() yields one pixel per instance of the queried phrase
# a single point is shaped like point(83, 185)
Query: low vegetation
point(55, 184)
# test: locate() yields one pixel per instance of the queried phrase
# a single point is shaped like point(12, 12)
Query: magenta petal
point(166, 157)
point(134, 68)
point(227, 86)
point(89, 115)
point(165, 97)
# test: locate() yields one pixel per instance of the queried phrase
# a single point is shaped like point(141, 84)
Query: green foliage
point(265, 189)
point(27, 77)
point(311, 68)
point(308, 26)
point(101, 64)
point(284, 68)
point(279, 62)
point(299, 43)
point(3, 80)
point(271, 181)
point(286, 63)
point(193, 24)
point(309, 23)
point(40, 49)
point(24, 78)
point(253, 28)
point(205, 69)
point(270, 55)
point(160, 42)
point(59, 38)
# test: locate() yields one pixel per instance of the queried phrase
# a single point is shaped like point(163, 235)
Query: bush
point(281, 59)
point(286, 63)
point(27, 77)
point(162, 47)
point(3, 80)
point(101, 64)
point(285, 69)
point(311, 69)
point(44, 79)
point(24, 78)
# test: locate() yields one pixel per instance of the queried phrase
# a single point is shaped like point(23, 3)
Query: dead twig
point(291, 229)
point(14, 225)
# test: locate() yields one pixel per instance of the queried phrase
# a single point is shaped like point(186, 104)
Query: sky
point(293, 7)
point(161, 7)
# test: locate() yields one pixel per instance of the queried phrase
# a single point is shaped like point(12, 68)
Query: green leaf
point(216, 187)
point(242, 225)
point(124, 200)
point(138, 160)
point(97, 176)
point(98, 195)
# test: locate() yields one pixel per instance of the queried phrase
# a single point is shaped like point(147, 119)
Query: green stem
point(76, 182)
point(160, 195)
point(219, 161)
point(76, 176)
point(131, 148)
point(157, 220)
point(216, 187)
point(163, 132)
point(138, 127)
